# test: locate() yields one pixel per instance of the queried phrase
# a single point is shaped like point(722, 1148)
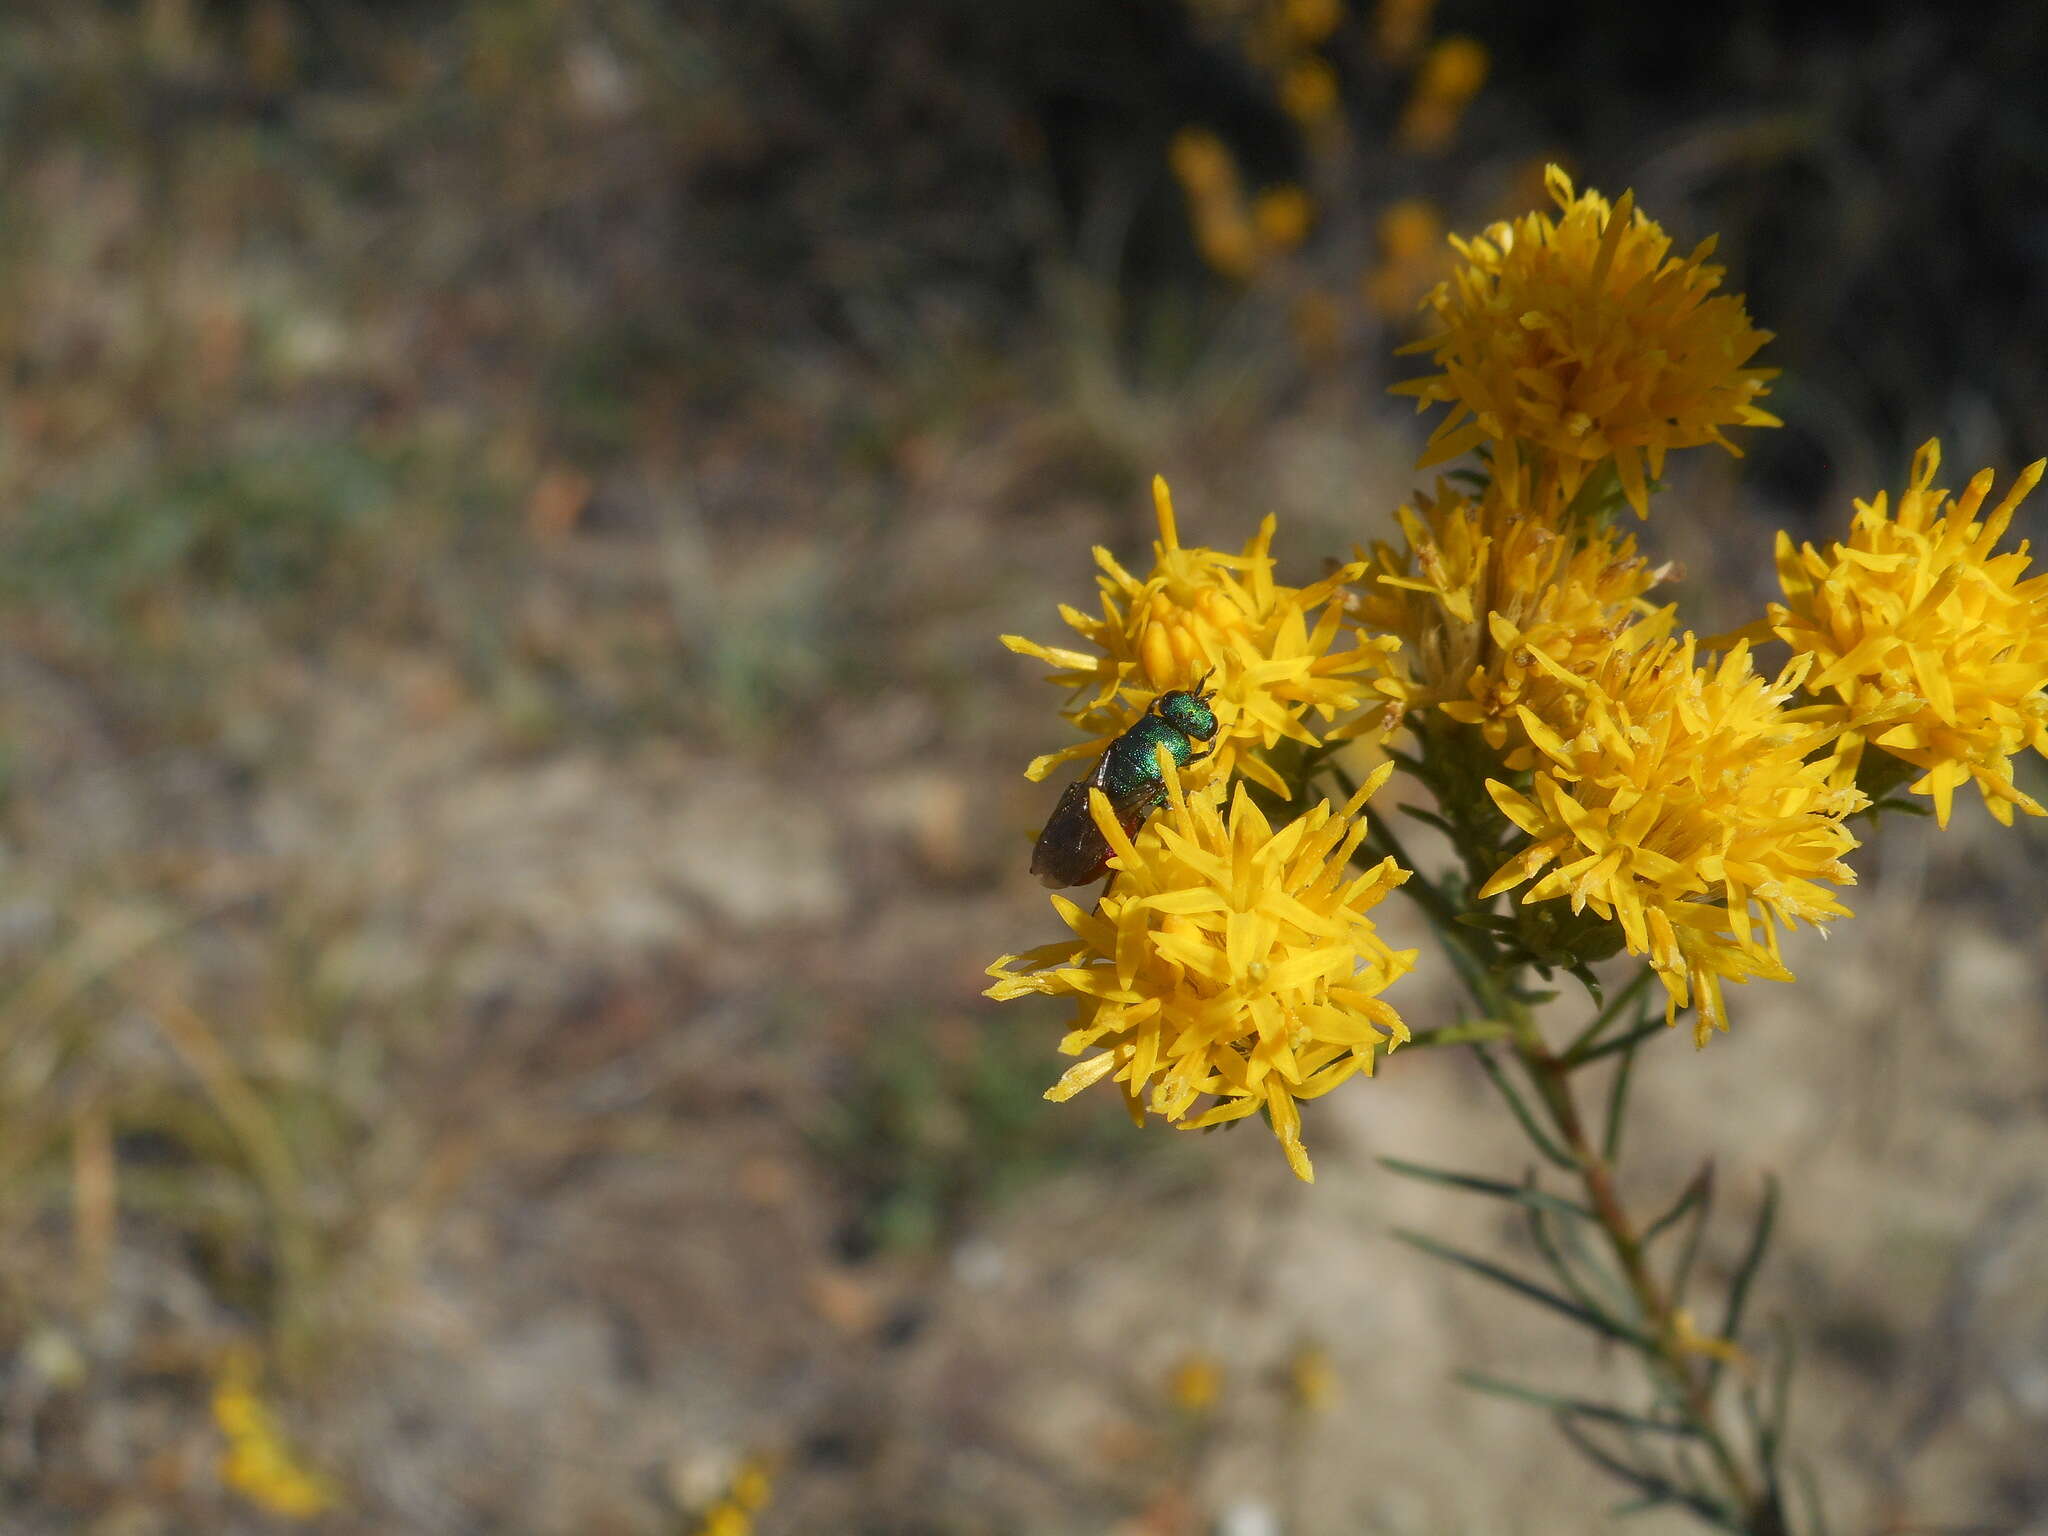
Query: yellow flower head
point(1203, 165)
point(1308, 91)
point(1227, 962)
point(733, 1515)
point(1582, 336)
point(1225, 232)
point(1312, 1379)
point(1399, 27)
point(1411, 257)
point(1483, 588)
point(258, 1463)
point(1282, 215)
point(1195, 1384)
point(1452, 72)
point(1681, 803)
point(1204, 614)
point(1309, 22)
point(1935, 647)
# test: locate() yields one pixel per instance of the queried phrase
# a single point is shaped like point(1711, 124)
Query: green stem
point(1505, 1014)
point(1464, 1032)
point(1551, 1076)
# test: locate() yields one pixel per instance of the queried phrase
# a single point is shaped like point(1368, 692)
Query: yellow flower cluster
point(1235, 238)
point(1202, 614)
point(1228, 962)
point(1934, 647)
point(1452, 72)
point(733, 1515)
point(1493, 604)
point(1583, 338)
point(1409, 234)
point(258, 1463)
point(1686, 804)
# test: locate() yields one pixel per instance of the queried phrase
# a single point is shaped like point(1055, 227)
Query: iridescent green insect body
point(1072, 849)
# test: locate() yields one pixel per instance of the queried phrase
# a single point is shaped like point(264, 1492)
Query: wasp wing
point(1072, 850)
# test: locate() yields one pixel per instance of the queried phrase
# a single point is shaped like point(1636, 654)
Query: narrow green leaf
point(1699, 1188)
point(1597, 1321)
point(1464, 1032)
point(1530, 1128)
point(1576, 1059)
point(1617, 1105)
point(1770, 1437)
point(1583, 974)
point(1489, 922)
point(1642, 1506)
point(1553, 1255)
point(1614, 1009)
point(1471, 967)
point(1521, 1194)
point(1647, 1482)
point(1809, 1491)
point(1431, 819)
point(1738, 1288)
point(1580, 1406)
point(1681, 1274)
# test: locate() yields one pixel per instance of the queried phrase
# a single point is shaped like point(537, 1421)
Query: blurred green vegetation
point(940, 1122)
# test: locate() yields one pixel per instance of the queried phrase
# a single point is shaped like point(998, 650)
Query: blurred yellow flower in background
point(745, 1497)
point(1227, 961)
point(1195, 1384)
point(1282, 216)
point(1223, 228)
point(1682, 803)
point(1202, 164)
point(1312, 1379)
point(1583, 337)
point(1203, 614)
point(1308, 91)
point(259, 1464)
point(1399, 27)
point(1410, 239)
point(1935, 647)
point(1452, 72)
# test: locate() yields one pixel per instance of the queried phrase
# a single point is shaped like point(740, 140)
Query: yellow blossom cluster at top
point(1202, 615)
point(1933, 645)
point(1228, 962)
point(1583, 338)
point(1685, 803)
